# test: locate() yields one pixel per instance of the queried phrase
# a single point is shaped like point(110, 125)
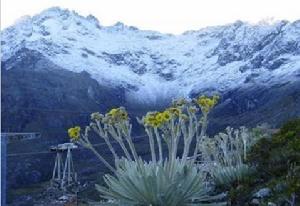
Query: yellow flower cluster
point(207, 103)
point(74, 133)
point(156, 119)
point(117, 115)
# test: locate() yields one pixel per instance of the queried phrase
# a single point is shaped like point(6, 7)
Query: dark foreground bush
point(277, 162)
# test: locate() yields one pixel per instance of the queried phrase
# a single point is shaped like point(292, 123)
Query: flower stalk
point(178, 121)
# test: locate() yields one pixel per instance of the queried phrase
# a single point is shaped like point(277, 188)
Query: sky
point(167, 16)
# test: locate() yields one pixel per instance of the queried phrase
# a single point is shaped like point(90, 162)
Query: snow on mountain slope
point(154, 67)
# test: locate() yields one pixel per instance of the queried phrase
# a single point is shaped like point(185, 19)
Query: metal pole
point(55, 166)
point(64, 174)
point(3, 169)
point(69, 166)
point(59, 164)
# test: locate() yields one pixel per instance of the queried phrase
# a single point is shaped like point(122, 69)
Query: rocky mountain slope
point(155, 67)
point(38, 94)
point(244, 63)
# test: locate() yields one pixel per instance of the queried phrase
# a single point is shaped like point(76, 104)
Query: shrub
point(277, 161)
point(274, 155)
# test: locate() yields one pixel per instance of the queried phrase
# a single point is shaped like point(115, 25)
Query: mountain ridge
point(149, 64)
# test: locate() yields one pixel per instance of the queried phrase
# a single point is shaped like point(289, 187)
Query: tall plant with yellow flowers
point(168, 179)
point(178, 121)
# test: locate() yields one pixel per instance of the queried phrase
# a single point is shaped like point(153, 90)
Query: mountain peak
point(119, 24)
point(54, 12)
point(93, 19)
point(58, 13)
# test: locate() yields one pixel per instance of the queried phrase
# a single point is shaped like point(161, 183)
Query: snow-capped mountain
point(152, 66)
point(58, 67)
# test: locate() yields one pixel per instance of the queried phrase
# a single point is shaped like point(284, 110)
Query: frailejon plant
point(166, 180)
point(226, 155)
point(155, 183)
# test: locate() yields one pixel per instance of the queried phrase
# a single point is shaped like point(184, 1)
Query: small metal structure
point(19, 136)
point(64, 175)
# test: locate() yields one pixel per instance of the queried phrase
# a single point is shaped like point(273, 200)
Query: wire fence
point(80, 148)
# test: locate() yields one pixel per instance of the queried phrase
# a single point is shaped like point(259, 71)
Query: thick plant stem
point(117, 135)
point(185, 138)
point(132, 148)
point(203, 131)
point(158, 139)
point(124, 149)
point(86, 143)
point(176, 139)
point(187, 145)
point(176, 136)
point(111, 148)
point(172, 144)
point(102, 159)
point(127, 131)
point(151, 142)
point(102, 134)
point(189, 136)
